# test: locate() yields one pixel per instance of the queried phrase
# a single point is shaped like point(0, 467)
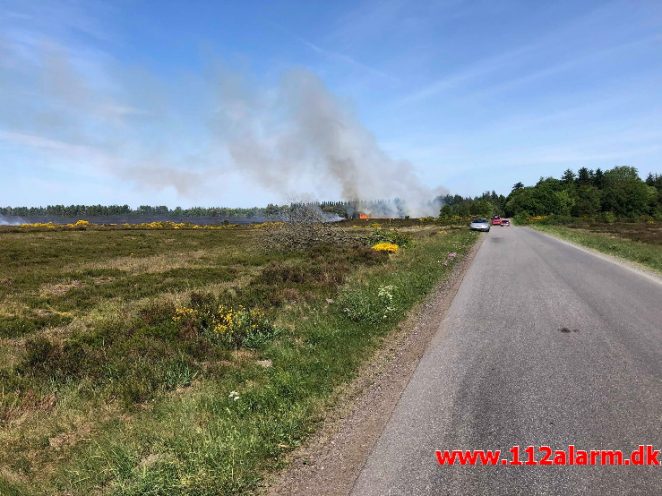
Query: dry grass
point(152, 264)
point(59, 288)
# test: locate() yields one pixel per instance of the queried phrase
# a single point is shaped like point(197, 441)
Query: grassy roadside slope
point(222, 422)
point(648, 254)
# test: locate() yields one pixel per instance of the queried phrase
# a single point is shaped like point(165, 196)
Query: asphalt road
point(501, 372)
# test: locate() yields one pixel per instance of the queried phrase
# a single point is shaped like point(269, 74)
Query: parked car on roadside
point(505, 222)
point(480, 225)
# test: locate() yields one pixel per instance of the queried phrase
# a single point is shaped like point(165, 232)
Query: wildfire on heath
point(363, 216)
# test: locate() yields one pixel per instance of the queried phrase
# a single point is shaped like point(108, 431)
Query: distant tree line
point(343, 209)
point(141, 211)
point(614, 193)
point(485, 205)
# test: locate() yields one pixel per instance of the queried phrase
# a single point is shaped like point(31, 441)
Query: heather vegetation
point(169, 360)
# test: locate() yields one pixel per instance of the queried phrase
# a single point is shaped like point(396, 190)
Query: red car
point(496, 220)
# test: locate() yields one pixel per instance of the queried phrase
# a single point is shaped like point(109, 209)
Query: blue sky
point(119, 102)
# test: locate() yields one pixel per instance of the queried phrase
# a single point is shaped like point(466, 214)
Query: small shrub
point(56, 362)
point(522, 219)
point(386, 247)
point(156, 312)
point(73, 361)
point(277, 272)
point(80, 225)
point(37, 352)
point(237, 326)
point(389, 236)
point(231, 326)
point(608, 217)
point(365, 255)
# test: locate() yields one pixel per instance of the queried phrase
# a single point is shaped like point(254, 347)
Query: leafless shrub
point(307, 226)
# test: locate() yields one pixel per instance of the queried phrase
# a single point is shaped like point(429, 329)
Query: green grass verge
point(207, 443)
point(647, 254)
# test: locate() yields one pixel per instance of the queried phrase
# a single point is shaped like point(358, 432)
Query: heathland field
point(188, 361)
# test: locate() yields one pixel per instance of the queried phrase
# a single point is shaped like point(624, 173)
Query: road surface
point(503, 370)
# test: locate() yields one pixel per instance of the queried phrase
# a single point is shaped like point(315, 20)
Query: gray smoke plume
point(301, 129)
point(80, 107)
point(11, 221)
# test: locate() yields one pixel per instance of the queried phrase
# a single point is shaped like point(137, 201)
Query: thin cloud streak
point(544, 45)
point(70, 150)
point(565, 66)
point(482, 68)
point(330, 54)
point(347, 59)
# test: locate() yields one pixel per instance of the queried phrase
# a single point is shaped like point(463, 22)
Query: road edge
point(331, 459)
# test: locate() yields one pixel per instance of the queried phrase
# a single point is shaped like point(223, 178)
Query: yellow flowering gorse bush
point(238, 320)
point(156, 225)
point(231, 326)
point(39, 225)
point(386, 247)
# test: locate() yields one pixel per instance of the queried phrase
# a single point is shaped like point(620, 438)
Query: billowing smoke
point(301, 129)
point(83, 110)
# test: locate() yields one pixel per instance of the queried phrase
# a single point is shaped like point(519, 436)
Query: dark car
point(505, 222)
